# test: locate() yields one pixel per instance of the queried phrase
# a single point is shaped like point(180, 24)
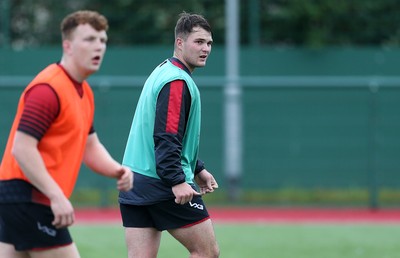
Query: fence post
point(372, 145)
point(232, 102)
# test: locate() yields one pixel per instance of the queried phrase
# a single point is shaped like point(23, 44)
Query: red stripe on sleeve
point(40, 110)
point(174, 106)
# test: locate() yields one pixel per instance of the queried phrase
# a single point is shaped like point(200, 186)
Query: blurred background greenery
point(312, 23)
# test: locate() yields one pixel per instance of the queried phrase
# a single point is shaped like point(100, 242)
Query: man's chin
point(93, 69)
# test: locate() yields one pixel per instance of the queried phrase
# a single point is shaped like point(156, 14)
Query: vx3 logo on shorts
point(196, 206)
point(46, 230)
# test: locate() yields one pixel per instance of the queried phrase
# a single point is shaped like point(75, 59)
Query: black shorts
point(164, 215)
point(28, 226)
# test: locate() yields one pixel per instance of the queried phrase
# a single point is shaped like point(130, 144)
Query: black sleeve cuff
point(199, 167)
point(178, 179)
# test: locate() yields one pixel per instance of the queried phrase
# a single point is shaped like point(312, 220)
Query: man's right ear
point(66, 44)
point(178, 42)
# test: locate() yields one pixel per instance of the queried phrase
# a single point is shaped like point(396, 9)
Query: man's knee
point(215, 252)
point(212, 252)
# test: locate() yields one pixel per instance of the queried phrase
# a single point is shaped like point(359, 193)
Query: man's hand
point(125, 179)
point(183, 193)
point(63, 211)
point(206, 182)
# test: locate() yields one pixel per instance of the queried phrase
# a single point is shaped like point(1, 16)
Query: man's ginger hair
point(73, 20)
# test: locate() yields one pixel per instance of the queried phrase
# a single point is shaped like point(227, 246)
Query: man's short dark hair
point(186, 23)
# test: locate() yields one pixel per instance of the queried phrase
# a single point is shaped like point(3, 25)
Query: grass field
point(260, 240)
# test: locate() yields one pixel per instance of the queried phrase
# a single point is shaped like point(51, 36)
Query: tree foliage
point(331, 22)
point(314, 23)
